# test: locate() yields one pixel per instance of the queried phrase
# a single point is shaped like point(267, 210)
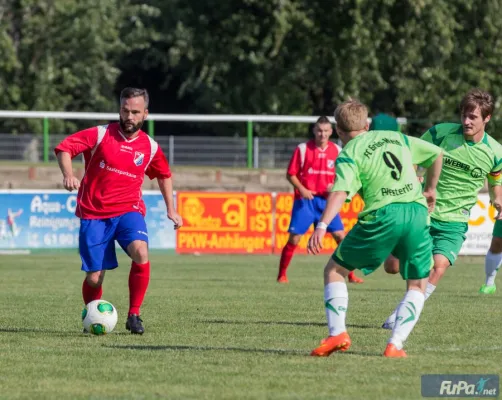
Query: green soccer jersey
point(379, 164)
point(466, 165)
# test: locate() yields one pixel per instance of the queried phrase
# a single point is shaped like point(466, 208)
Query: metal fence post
point(250, 144)
point(151, 128)
point(171, 149)
point(256, 151)
point(46, 139)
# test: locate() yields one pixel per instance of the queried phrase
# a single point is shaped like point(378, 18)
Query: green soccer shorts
point(400, 229)
point(497, 228)
point(447, 238)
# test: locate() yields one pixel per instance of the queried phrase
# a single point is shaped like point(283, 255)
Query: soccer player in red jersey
point(311, 171)
point(109, 202)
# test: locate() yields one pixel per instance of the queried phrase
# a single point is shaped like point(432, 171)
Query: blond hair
point(351, 116)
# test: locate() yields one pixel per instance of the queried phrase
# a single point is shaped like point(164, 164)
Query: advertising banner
point(225, 222)
point(479, 235)
point(247, 223)
point(283, 207)
point(45, 219)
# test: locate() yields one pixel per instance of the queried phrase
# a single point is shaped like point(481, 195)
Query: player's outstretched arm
point(166, 188)
point(333, 207)
point(70, 182)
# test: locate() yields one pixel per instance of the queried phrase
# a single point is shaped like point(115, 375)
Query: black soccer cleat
point(134, 324)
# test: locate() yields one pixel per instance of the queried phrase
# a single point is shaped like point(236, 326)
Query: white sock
point(429, 290)
point(492, 264)
point(336, 300)
point(408, 313)
point(391, 320)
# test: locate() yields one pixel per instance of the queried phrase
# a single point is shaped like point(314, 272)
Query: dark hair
point(323, 120)
point(129, 93)
point(477, 98)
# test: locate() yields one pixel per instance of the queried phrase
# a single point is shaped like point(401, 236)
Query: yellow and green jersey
point(466, 165)
point(380, 166)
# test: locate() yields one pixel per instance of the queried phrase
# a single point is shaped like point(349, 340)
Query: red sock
point(90, 293)
point(139, 277)
point(352, 275)
point(286, 256)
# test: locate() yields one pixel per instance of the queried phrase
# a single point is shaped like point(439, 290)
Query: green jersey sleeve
point(347, 176)
point(423, 153)
point(437, 133)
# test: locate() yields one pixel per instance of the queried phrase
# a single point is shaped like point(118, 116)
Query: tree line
point(414, 58)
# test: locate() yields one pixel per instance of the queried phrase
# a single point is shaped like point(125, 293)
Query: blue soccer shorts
point(97, 239)
point(307, 212)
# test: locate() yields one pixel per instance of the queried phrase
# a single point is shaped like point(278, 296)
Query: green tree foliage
point(415, 58)
point(61, 55)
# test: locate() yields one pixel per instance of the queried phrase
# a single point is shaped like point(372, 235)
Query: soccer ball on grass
point(99, 317)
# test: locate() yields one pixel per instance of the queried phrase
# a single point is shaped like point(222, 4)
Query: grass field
point(219, 327)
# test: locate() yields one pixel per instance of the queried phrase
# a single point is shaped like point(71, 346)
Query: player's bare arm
point(433, 173)
point(333, 207)
point(166, 188)
point(496, 195)
point(70, 182)
point(306, 194)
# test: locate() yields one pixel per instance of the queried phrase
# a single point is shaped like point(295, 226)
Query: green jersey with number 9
point(380, 166)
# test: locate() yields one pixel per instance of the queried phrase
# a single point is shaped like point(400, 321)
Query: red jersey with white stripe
point(314, 167)
point(115, 168)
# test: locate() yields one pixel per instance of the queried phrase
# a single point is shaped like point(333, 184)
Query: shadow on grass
point(294, 323)
point(205, 348)
point(51, 332)
point(303, 353)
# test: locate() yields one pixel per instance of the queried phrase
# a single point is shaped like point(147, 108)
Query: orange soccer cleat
point(339, 342)
point(282, 279)
point(354, 279)
point(391, 351)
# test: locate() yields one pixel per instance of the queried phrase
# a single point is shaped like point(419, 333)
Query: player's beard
point(129, 129)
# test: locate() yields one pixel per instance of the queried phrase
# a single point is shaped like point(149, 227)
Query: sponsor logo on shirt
point(331, 163)
point(138, 158)
point(458, 165)
point(127, 149)
point(397, 192)
point(477, 173)
point(102, 164)
point(313, 171)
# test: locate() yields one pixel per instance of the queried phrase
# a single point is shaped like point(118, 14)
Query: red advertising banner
point(283, 207)
point(225, 223)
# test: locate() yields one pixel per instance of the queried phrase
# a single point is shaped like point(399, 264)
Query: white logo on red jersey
point(102, 164)
point(138, 158)
point(331, 163)
point(321, 155)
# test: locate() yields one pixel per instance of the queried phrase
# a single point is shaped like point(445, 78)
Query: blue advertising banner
point(45, 219)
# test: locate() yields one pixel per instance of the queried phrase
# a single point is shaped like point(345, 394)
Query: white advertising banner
point(480, 230)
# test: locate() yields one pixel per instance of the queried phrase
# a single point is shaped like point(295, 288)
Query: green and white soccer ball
point(99, 317)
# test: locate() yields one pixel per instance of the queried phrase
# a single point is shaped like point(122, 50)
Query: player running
point(471, 156)
point(311, 171)
point(109, 203)
point(379, 165)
